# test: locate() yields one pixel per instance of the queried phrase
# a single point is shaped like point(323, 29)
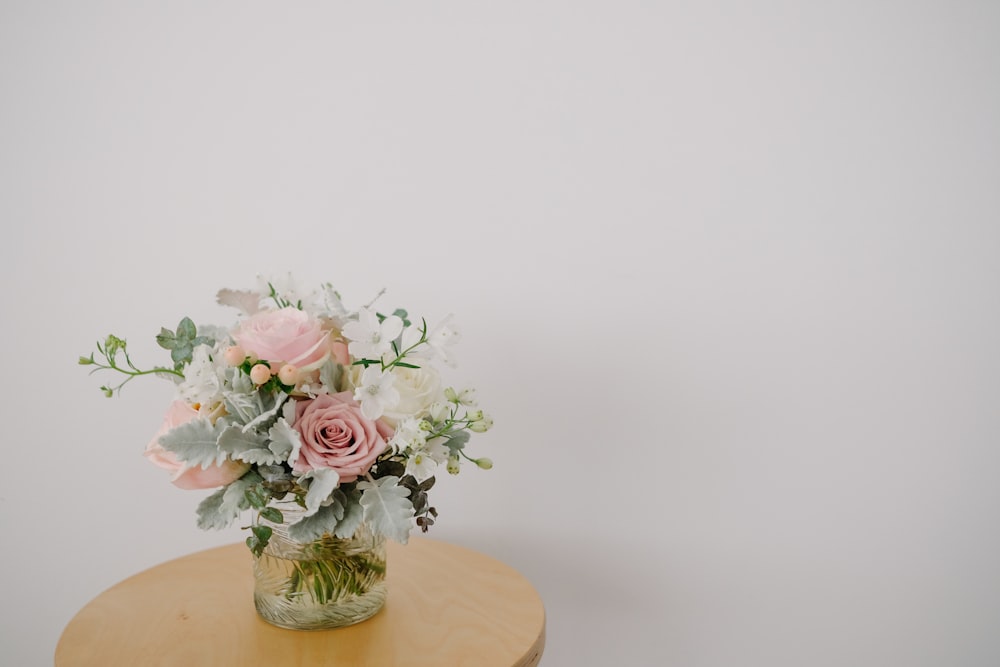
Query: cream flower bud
point(234, 355)
point(482, 424)
point(288, 374)
point(260, 374)
point(450, 394)
point(453, 464)
point(484, 463)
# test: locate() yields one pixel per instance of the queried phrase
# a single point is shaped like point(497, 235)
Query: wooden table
point(447, 606)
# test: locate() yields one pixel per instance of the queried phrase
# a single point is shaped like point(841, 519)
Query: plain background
point(727, 275)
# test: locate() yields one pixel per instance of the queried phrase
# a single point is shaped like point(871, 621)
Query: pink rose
point(190, 478)
point(336, 435)
point(287, 335)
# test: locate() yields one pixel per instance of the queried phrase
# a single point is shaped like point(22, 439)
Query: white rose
point(418, 389)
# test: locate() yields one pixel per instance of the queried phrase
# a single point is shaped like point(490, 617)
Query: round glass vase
point(327, 583)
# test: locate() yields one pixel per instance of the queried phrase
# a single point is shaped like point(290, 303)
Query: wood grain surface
point(447, 606)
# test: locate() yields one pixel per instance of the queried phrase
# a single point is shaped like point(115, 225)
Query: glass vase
point(327, 583)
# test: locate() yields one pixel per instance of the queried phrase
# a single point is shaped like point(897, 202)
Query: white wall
point(728, 277)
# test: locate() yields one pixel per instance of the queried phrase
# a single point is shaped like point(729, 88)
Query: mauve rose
point(336, 435)
point(287, 335)
point(190, 478)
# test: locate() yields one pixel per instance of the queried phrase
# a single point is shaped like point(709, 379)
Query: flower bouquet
point(326, 425)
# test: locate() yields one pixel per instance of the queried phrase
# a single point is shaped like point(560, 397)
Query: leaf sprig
point(182, 342)
point(113, 345)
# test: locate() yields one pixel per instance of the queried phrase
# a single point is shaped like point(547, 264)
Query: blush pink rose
point(285, 336)
point(189, 478)
point(336, 435)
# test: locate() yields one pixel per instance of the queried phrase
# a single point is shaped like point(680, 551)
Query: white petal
point(392, 326)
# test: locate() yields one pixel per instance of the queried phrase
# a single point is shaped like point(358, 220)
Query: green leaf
point(403, 364)
point(386, 507)
point(196, 442)
point(257, 496)
point(255, 545)
point(390, 467)
point(272, 514)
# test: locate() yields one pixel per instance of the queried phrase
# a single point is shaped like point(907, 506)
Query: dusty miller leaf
point(285, 441)
point(270, 404)
point(330, 375)
point(353, 516)
point(210, 515)
point(234, 499)
point(245, 300)
point(246, 446)
point(456, 441)
point(313, 527)
point(386, 507)
point(324, 481)
point(196, 442)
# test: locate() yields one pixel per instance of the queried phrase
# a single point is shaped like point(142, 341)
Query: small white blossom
point(439, 411)
point(204, 380)
point(467, 397)
point(369, 338)
point(442, 338)
point(408, 435)
point(423, 461)
point(376, 393)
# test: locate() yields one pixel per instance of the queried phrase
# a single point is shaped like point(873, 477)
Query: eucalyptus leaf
point(187, 329)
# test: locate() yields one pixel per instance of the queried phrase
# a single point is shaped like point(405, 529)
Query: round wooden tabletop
point(447, 605)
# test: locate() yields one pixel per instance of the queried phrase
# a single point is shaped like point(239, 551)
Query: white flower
point(369, 338)
point(408, 435)
point(439, 342)
point(467, 396)
point(203, 379)
point(411, 337)
point(418, 389)
point(376, 393)
point(439, 410)
point(424, 460)
point(287, 289)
